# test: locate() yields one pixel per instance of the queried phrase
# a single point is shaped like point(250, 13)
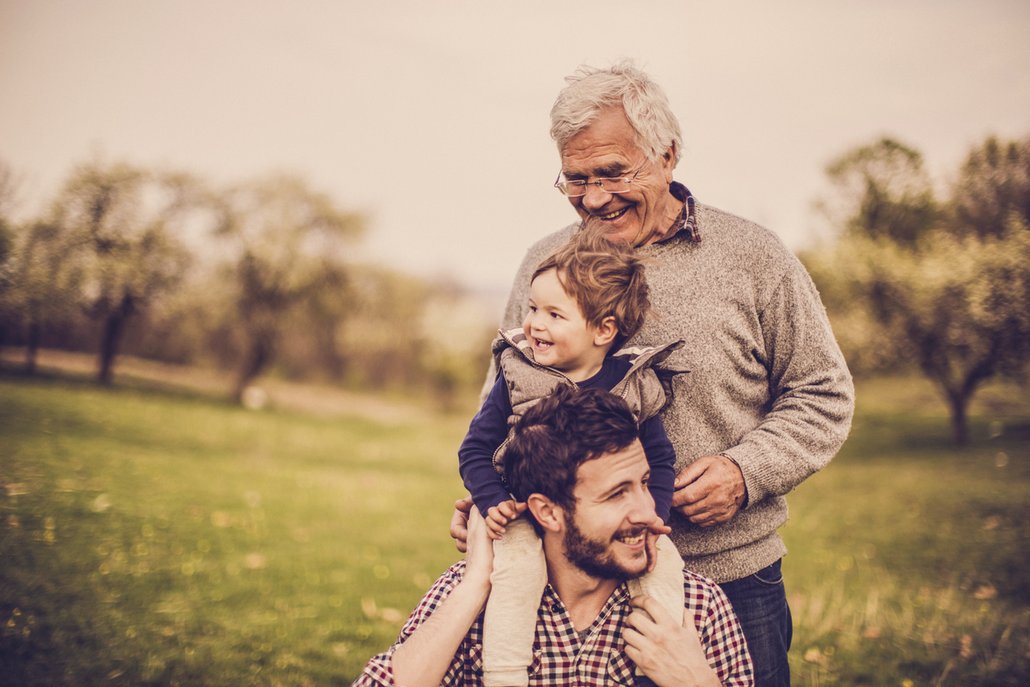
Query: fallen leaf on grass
point(391, 615)
point(814, 655)
point(985, 592)
point(220, 519)
point(255, 561)
point(966, 646)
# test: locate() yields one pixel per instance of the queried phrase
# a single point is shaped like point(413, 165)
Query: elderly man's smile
point(615, 214)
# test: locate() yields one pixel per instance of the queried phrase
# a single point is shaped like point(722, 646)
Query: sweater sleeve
point(812, 393)
point(487, 431)
point(662, 458)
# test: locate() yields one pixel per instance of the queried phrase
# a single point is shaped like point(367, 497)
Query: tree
point(285, 243)
point(993, 185)
point(120, 225)
point(36, 277)
point(957, 290)
point(45, 280)
point(7, 190)
point(6, 243)
point(883, 191)
point(961, 303)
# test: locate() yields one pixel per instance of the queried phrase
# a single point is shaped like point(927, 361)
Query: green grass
point(907, 560)
point(149, 538)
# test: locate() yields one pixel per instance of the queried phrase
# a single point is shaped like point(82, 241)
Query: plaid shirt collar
point(686, 222)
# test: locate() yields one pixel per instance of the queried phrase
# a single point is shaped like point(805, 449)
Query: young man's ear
point(605, 332)
point(549, 514)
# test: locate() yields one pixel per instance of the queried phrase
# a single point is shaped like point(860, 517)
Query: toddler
point(585, 301)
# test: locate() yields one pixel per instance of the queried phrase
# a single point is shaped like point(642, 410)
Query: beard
point(594, 557)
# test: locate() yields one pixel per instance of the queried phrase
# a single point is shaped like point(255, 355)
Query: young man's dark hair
point(563, 430)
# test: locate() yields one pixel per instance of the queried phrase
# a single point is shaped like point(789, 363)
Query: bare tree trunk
point(32, 346)
point(114, 325)
point(259, 354)
point(958, 403)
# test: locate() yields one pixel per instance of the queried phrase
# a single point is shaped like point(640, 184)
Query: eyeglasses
point(578, 187)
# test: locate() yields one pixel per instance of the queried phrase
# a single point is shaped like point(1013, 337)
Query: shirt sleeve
point(487, 431)
point(661, 456)
point(378, 671)
point(812, 392)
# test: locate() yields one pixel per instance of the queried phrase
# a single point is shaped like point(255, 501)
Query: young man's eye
point(555, 316)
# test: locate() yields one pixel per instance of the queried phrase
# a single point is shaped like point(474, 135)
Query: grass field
point(158, 538)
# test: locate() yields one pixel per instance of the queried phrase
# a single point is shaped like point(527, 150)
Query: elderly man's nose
point(595, 197)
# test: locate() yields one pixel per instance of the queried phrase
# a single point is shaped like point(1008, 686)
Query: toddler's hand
point(500, 515)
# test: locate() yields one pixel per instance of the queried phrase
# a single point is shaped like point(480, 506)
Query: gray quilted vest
point(646, 386)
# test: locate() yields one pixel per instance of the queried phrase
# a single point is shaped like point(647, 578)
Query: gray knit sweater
point(767, 385)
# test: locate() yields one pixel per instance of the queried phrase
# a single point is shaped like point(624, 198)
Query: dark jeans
point(761, 605)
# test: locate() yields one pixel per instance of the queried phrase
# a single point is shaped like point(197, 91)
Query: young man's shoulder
point(702, 592)
point(444, 584)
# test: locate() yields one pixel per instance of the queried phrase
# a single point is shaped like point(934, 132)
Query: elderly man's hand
point(668, 653)
point(459, 522)
point(709, 491)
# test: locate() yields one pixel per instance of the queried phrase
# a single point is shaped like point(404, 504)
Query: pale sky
point(432, 117)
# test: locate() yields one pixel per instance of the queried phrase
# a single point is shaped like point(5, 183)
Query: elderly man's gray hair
point(591, 90)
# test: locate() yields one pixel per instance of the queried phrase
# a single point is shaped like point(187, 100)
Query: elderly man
point(577, 462)
point(768, 400)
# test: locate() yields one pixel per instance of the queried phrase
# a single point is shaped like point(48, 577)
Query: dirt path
point(308, 398)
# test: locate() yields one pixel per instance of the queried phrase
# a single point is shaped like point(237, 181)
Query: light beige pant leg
point(664, 584)
point(509, 625)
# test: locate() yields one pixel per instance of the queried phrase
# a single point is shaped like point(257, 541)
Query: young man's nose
point(642, 507)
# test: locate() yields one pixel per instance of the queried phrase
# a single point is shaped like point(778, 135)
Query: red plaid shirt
point(562, 657)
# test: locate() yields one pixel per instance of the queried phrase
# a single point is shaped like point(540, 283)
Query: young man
point(576, 460)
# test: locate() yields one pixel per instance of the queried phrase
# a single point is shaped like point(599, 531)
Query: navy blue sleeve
point(487, 431)
point(661, 456)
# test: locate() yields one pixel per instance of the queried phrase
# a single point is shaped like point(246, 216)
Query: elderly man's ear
point(669, 162)
point(549, 514)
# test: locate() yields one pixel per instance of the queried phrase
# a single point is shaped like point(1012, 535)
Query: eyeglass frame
point(598, 182)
